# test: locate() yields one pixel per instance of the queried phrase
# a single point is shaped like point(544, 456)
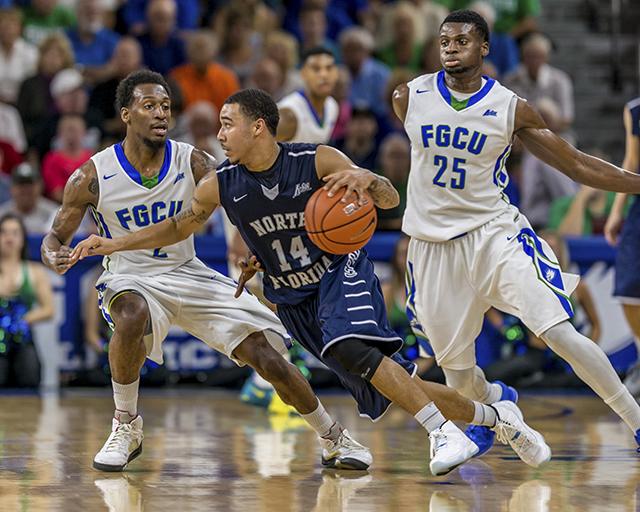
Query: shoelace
point(119, 441)
point(439, 440)
point(506, 433)
point(348, 442)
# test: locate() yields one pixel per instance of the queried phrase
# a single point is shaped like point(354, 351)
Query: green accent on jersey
point(149, 182)
point(459, 104)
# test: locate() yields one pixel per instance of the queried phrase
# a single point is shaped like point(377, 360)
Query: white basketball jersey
point(457, 158)
point(125, 205)
point(310, 128)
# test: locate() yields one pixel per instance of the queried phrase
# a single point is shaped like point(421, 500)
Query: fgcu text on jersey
point(270, 217)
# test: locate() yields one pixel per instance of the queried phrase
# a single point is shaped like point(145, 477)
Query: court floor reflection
point(205, 451)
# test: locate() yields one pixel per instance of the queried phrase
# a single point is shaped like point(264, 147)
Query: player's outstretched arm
point(338, 171)
point(170, 231)
point(81, 190)
point(579, 166)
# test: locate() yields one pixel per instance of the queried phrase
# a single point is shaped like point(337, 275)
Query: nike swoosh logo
point(236, 199)
point(420, 91)
point(109, 176)
point(331, 271)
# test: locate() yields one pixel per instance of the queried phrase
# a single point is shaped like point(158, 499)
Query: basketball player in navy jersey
point(331, 304)
point(141, 181)
point(470, 249)
point(627, 281)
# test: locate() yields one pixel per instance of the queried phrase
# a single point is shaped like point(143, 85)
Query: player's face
point(461, 48)
point(235, 134)
point(320, 74)
point(149, 114)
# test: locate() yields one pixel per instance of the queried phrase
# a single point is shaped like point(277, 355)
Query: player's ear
point(258, 127)
point(484, 49)
point(124, 115)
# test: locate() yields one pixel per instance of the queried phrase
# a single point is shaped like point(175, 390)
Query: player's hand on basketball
point(356, 182)
point(92, 246)
point(249, 267)
point(59, 261)
point(612, 228)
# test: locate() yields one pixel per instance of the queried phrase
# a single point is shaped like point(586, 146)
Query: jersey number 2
point(458, 173)
point(297, 251)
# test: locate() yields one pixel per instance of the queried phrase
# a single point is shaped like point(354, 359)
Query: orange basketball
point(337, 227)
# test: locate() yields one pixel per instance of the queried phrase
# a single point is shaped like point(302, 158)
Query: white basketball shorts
point(198, 300)
point(450, 285)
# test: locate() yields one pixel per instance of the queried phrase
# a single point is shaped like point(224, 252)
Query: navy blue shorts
point(348, 304)
point(627, 280)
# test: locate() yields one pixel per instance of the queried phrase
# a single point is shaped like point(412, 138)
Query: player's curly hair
point(466, 16)
point(257, 104)
point(124, 92)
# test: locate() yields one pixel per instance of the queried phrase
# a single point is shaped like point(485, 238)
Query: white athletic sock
point(257, 380)
point(484, 415)
point(494, 393)
point(592, 365)
point(430, 417)
point(125, 397)
point(320, 421)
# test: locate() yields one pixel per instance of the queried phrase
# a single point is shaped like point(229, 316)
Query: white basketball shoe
point(123, 445)
point(449, 448)
point(510, 428)
point(345, 453)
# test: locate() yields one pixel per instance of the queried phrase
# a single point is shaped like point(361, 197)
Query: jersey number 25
point(458, 173)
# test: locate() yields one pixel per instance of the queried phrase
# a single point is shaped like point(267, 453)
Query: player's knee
point(258, 353)
point(357, 357)
point(130, 314)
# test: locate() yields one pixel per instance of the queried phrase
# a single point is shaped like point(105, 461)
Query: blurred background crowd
point(61, 60)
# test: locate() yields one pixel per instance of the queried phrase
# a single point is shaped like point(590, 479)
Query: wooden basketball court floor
point(205, 451)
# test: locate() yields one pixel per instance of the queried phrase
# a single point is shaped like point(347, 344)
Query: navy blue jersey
point(268, 209)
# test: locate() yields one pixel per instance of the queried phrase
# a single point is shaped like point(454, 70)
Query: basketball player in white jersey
point(141, 181)
point(310, 115)
point(470, 249)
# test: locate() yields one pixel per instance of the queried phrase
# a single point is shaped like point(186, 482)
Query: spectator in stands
point(430, 56)
point(394, 163)
point(241, 45)
point(341, 95)
point(59, 164)
point(203, 124)
point(18, 58)
point(267, 75)
point(283, 49)
point(535, 79)
point(35, 103)
point(202, 79)
point(404, 49)
point(541, 184)
point(162, 48)
point(368, 75)
point(126, 59)
point(341, 15)
point(360, 142)
point(92, 43)
point(313, 29)
point(430, 15)
point(26, 297)
point(514, 17)
point(5, 186)
point(27, 201)
point(133, 12)
point(584, 214)
point(43, 18)
point(11, 128)
point(503, 50)
point(70, 98)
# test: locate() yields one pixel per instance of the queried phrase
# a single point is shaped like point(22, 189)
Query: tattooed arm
point(170, 231)
point(80, 191)
point(339, 171)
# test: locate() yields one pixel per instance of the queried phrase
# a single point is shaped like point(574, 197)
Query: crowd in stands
point(61, 61)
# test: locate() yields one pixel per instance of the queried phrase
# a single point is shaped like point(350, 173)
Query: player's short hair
point(318, 50)
point(466, 16)
point(257, 104)
point(124, 92)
